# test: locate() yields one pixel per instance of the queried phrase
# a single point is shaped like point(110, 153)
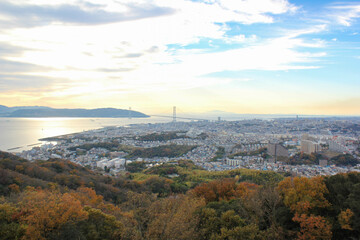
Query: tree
point(224, 189)
point(345, 219)
point(245, 190)
point(88, 196)
point(100, 226)
point(229, 226)
point(313, 227)
point(209, 223)
point(47, 213)
point(265, 208)
point(10, 226)
point(136, 217)
point(344, 195)
point(247, 232)
point(135, 167)
point(173, 218)
point(302, 194)
point(159, 185)
point(14, 188)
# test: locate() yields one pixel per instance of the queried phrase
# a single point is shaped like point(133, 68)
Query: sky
point(240, 56)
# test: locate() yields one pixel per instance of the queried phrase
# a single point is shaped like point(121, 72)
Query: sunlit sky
point(241, 56)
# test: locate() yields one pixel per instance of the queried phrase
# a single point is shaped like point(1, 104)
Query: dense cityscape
point(298, 146)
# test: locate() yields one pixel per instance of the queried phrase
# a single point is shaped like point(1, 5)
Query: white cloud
point(345, 14)
point(240, 39)
point(275, 54)
point(134, 55)
point(258, 6)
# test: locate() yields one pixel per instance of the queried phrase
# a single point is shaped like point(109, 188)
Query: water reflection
point(21, 132)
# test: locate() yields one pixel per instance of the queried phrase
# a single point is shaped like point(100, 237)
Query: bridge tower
point(129, 112)
point(174, 114)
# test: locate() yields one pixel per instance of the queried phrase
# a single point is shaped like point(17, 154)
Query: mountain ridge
point(41, 111)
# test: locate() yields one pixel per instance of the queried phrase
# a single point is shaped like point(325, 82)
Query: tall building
point(276, 150)
point(309, 145)
point(336, 146)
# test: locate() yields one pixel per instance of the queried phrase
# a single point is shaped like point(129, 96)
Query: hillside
point(57, 199)
point(54, 112)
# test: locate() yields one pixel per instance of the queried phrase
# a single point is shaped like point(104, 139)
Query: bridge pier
point(174, 114)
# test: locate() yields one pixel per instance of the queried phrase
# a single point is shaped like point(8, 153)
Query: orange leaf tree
point(345, 219)
point(313, 227)
point(245, 190)
point(224, 189)
point(47, 212)
point(301, 194)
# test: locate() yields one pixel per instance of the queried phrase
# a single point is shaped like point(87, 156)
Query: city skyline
point(255, 57)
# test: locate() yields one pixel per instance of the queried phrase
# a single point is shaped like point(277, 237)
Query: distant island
point(39, 111)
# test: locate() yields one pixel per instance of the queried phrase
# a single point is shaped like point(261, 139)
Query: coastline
point(18, 134)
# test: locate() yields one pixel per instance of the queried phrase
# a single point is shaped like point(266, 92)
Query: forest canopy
point(57, 199)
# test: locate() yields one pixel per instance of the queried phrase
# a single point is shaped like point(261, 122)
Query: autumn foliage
point(224, 189)
point(345, 218)
point(302, 194)
point(61, 200)
point(46, 212)
point(312, 227)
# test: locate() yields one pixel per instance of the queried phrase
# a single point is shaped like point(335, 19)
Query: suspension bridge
point(174, 116)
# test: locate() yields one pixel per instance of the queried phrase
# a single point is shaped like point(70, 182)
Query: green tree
point(100, 226)
point(10, 225)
